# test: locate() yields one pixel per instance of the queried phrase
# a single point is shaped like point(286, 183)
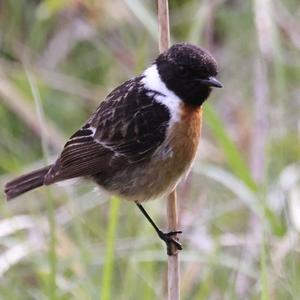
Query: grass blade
point(263, 274)
point(110, 246)
point(235, 161)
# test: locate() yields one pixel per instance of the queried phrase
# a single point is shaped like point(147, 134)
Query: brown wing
point(126, 129)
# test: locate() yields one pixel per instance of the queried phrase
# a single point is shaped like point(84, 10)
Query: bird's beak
point(211, 81)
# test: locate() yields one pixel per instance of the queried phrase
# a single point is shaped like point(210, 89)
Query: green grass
point(106, 285)
point(72, 242)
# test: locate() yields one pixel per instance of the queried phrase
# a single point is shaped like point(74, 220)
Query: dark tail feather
point(25, 183)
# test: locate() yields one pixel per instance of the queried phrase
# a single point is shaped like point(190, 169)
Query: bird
point(143, 137)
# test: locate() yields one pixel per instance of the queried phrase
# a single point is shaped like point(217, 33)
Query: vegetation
point(240, 206)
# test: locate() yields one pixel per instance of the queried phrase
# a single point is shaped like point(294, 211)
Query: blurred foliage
point(240, 206)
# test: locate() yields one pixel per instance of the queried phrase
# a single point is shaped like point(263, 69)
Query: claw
point(165, 236)
point(169, 240)
point(173, 232)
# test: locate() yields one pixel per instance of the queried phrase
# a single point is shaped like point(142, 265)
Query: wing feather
point(126, 129)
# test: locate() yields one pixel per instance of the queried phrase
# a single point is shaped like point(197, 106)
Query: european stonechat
point(143, 137)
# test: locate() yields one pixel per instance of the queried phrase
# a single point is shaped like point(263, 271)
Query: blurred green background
point(240, 206)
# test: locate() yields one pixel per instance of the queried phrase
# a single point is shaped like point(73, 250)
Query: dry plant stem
point(259, 139)
point(163, 25)
point(173, 260)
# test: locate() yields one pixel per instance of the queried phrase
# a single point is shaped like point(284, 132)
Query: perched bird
point(143, 137)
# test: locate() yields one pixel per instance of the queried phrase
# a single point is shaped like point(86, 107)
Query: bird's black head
point(189, 72)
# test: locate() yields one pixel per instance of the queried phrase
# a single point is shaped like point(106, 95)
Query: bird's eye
point(182, 71)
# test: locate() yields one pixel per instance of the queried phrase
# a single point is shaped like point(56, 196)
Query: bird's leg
point(167, 237)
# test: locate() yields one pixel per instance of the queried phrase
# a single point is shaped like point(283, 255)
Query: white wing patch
point(93, 129)
point(83, 135)
point(153, 82)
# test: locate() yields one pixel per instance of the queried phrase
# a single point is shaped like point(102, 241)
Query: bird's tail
point(25, 183)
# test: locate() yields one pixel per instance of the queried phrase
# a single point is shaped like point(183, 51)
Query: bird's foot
point(170, 240)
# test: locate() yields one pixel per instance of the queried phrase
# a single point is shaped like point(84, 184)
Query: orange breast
point(172, 160)
point(186, 136)
point(183, 140)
